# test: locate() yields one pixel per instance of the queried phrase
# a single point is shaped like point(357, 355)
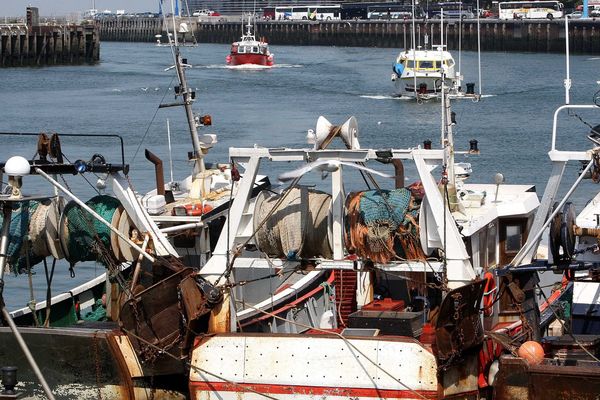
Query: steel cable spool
point(298, 227)
point(81, 233)
point(52, 224)
point(567, 234)
point(37, 229)
point(562, 235)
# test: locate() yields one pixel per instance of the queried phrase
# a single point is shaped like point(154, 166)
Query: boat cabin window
point(409, 63)
point(484, 247)
point(242, 49)
point(514, 238)
point(427, 64)
point(512, 235)
point(255, 49)
point(449, 63)
point(491, 245)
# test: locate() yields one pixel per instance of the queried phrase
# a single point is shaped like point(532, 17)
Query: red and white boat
point(249, 51)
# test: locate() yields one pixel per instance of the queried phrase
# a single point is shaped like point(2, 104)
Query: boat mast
point(447, 136)
point(414, 46)
point(188, 98)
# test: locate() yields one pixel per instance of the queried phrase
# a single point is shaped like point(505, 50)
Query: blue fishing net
point(388, 206)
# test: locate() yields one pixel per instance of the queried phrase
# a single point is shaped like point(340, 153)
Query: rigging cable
point(151, 121)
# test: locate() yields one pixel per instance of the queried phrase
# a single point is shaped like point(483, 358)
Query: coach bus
point(379, 10)
point(309, 12)
point(530, 9)
point(451, 9)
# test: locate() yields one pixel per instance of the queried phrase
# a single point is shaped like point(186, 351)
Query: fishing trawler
point(249, 51)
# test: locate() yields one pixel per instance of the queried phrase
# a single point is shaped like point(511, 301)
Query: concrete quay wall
point(23, 45)
point(130, 29)
point(521, 36)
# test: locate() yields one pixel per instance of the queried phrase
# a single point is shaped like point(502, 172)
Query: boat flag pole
point(173, 17)
point(479, 48)
point(460, 26)
point(414, 45)
point(170, 150)
point(568, 66)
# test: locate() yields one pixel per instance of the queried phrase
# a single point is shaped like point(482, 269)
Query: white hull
point(315, 366)
point(405, 86)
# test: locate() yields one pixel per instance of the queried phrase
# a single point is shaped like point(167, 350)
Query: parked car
point(575, 15)
point(486, 13)
point(205, 13)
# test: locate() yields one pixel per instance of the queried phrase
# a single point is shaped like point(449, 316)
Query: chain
point(458, 339)
point(526, 328)
point(98, 366)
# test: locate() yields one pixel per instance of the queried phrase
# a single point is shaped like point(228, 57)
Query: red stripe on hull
point(309, 390)
point(256, 59)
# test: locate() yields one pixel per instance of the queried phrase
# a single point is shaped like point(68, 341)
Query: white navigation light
point(17, 166)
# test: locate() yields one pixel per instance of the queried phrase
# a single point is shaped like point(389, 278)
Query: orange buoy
point(532, 352)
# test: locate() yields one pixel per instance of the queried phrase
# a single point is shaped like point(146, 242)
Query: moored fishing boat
point(421, 73)
point(249, 51)
point(401, 268)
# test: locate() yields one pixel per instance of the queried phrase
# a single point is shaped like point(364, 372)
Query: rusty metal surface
point(460, 378)
point(550, 380)
point(154, 316)
point(76, 362)
point(458, 327)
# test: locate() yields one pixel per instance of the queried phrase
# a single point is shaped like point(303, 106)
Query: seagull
point(156, 89)
point(144, 89)
point(326, 166)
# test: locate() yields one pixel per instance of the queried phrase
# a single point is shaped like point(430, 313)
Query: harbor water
point(275, 107)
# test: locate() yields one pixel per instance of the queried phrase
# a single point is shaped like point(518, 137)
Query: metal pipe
point(138, 266)
point(94, 214)
point(158, 171)
point(555, 119)
point(182, 227)
point(399, 173)
point(7, 214)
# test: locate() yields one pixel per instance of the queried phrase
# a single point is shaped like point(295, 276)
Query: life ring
point(488, 294)
point(490, 351)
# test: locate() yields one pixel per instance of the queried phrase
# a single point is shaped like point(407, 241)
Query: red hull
point(256, 59)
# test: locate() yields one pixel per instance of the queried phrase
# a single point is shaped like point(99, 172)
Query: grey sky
point(64, 7)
